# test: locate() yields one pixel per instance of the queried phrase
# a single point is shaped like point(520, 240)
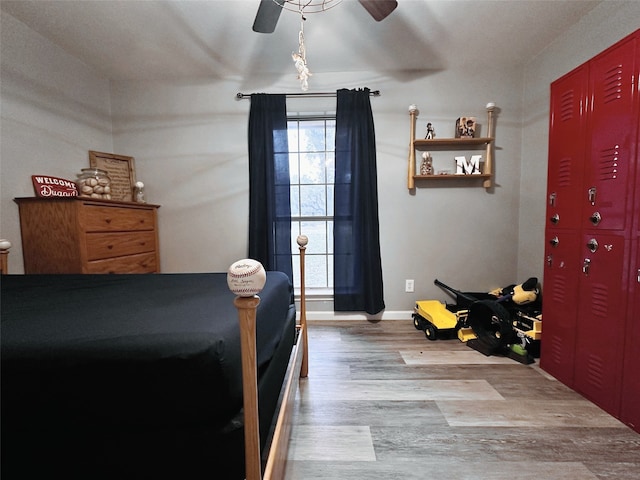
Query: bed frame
point(271, 465)
point(276, 458)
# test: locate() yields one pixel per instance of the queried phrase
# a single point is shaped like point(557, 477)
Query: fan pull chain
point(300, 58)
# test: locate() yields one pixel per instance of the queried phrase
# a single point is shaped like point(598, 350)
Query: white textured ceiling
point(178, 39)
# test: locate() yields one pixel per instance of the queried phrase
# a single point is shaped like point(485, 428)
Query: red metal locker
point(559, 305)
point(630, 403)
point(567, 132)
point(613, 114)
point(601, 321)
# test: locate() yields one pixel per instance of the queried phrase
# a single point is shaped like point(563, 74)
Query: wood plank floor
point(383, 402)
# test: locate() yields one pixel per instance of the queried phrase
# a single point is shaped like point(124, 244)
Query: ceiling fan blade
point(267, 16)
point(379, 9)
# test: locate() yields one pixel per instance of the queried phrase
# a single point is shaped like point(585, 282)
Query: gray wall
point(189, 140)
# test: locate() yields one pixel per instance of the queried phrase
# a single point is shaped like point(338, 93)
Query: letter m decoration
point(470, 167)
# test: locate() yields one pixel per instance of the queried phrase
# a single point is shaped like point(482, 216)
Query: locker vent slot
point(608, 163)
point(600, 300)
point(564, 172)
point(557, 351)
point(595, 371)
point(566, 106)
point(612, 84)
point(559, 291)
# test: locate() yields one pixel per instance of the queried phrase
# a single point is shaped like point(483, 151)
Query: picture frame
point(465, 127)
point(120, 169)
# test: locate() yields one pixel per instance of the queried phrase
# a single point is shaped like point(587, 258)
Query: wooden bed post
point(5, 245)
point(298, 367)
point(302, 244)
point(247, 316)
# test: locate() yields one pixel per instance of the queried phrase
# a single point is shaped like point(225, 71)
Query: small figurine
point(426, 167)
point(431, 133)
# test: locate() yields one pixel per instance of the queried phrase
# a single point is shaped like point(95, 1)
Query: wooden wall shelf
point(451, 144)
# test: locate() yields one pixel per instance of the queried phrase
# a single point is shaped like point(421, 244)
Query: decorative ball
point(302, 240)
point(413, 107)
point(490, 105)
point(5, 244)
point(246, 277)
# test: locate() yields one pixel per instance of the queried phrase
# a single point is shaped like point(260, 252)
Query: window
point(312, 170)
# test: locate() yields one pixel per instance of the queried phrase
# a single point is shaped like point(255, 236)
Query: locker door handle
point(550, 263)
point(552, 199)
point(596, 218)
point(592, 195)
point(555, 219)
point(585, 266)
point(554, 241)
point(638, 278)
point(592, 245)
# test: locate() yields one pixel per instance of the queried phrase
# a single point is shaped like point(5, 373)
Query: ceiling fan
point(269, 10)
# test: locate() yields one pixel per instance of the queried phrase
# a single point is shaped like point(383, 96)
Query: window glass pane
point(313, 200)
point(295, 201)
point(312, 136)
point(312, 168)
point(292, 134)
point(331, 135)
point(317, 233)
point(330, 212)
point(296, 270)
point(294, 170)
point(316, 271)
point(330, 239)
point(330, 162)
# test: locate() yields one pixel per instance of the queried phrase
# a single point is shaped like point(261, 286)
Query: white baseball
point(302, 240)
point(246, 277)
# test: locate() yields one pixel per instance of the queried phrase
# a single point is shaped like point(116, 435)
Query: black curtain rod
point(241, 96)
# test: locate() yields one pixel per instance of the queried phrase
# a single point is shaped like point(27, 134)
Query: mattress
point(134, 351)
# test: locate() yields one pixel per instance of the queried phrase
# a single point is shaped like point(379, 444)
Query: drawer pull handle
point(107, 220)
point(110, 247)
point(585, 266)
point(142, 221)
point(142, 244)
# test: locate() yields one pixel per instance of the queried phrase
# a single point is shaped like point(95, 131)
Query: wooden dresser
point(78, 235)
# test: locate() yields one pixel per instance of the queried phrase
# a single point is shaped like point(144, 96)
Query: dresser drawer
point(96, 218)
point(118, 244)
point(141, 263)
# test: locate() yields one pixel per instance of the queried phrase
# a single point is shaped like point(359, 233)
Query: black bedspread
point(130, 349)
point(107, 375)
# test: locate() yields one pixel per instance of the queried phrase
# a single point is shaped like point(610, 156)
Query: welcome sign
point(46, 186)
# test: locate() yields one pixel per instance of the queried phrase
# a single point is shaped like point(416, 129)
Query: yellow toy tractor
point(432, 316)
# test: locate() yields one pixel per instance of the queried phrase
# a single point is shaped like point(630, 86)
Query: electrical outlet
point(408, 286)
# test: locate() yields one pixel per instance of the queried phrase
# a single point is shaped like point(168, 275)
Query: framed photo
point(121, 170)
point(465, 127)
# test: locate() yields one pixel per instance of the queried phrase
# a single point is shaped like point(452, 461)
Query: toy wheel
point(418, 322)
point(431, 332)
point(491, 322)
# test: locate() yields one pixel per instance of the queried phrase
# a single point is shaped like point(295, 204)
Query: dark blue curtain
point(356, 233)
point(269, 197)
